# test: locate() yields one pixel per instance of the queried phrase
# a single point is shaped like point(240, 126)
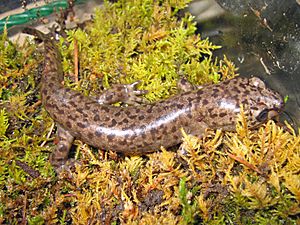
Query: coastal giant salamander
point(147, 127)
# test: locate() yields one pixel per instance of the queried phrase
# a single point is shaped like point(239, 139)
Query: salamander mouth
point(274, 113)
point(268, 114)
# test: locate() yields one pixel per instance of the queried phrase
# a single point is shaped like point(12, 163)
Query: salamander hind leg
point(125, 93)
point(59, 158)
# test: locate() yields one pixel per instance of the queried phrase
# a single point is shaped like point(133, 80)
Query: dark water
point(263, 42)
point(7, 5)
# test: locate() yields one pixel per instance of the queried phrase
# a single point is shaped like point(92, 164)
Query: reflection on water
point(264, 41)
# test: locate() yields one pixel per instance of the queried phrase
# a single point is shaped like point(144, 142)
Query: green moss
point(153, 46)
point(242, 177)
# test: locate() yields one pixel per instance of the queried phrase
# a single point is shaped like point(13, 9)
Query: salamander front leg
point(184, 85)
point(125, 93)
point(59, 158)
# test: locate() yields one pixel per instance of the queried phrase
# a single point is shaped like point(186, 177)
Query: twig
point(76, 63)
point(265, 67)
point(239, 159)
point(48, 135)
point(28, 169)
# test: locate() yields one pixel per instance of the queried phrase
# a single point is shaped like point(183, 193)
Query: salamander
point(144, 128)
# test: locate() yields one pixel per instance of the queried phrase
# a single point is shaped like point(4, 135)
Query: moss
point(242, 177)
point(153, 46)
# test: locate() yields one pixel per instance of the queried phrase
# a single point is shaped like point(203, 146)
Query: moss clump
point(144, 40)
point(243, 177)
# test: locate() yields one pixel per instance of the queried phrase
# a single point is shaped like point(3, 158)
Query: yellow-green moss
point(144, 40)
point(242, 177)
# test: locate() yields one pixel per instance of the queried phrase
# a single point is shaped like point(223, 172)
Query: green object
point(34, 13)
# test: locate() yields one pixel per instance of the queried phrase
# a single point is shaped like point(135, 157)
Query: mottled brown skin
point(145, 128)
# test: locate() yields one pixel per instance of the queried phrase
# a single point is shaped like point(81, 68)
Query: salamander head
point(263, 103)
point(259, 103)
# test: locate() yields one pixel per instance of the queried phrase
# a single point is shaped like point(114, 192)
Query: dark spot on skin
point(236, 89)
point(216, 90)
point(132, 117)
point(96, 118)
point(204, 101)
point(210, 110)
point(149, 110)
point(87, 107)
point(199, 118)
point(85, 115)
point(106, 109)
point(119, 88)
point(137, 110)
point(95, 111)
point(120, 95)
point(189, 99)
point(45, 92)
point(226, 82)
point(214, 115)
point(246, 92)
point(56, 107)
point(153, 132)
point(183, 81)
point(80, 110)
point(180, 106)
point(125, 121)
point(141, 117)
point(127, 112)
point(118, 114)
point(81, 125)
point(222, 114)
point(50, 84)
point(245, 101)
point(215, 95)
point(113, 122)
point(109, 97)
point(98, 133)
point(106, 118)
point(90, 135)
point(159, 137)
point(174, 129)
point(110, 137)
point(72, 103)
point(67, 90)
point(77, 94)
point(72, 118)
point(48, 97)
point(68, 124)
point(159, 110)
point(200, 92)
point(123, 142)
point(186, 123)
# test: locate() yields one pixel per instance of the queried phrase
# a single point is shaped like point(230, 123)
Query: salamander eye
point(263, 115)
